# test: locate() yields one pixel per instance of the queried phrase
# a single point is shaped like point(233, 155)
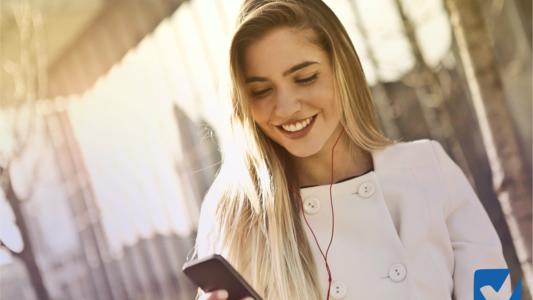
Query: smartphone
point(214, 272)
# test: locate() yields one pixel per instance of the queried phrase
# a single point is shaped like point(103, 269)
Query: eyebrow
point(285, 73)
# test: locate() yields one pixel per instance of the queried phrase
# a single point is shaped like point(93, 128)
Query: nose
point(287, 103)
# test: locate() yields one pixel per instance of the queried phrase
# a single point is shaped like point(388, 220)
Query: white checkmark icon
point(490, 294)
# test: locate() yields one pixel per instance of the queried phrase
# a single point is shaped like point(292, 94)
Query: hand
point(218, 295)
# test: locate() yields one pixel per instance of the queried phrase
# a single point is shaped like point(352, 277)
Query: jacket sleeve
point(474, 240)
point(205, 236)
point(204, 244)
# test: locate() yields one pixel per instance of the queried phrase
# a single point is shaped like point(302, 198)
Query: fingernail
point(222, 294)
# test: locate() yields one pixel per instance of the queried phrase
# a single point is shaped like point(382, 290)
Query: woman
point(312, 200)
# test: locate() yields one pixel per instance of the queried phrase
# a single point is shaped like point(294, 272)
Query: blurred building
point(132, 122)
point(14, 282)
point(85, 40)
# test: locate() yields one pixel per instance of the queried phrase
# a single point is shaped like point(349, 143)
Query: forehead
point(279, 50)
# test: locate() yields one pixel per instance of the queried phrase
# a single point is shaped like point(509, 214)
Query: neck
point(316, 169)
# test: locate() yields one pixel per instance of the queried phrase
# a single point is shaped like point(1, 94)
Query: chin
point(302, 152)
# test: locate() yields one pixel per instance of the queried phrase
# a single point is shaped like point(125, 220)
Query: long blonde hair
point(258, 202)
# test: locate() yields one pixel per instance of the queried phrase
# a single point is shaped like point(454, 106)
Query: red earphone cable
point(325, 256)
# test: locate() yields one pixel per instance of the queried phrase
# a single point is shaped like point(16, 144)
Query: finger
point(216, 295)
point(222, 294)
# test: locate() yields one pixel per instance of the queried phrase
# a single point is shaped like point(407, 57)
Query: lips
point(297, 126)
point(297, 129)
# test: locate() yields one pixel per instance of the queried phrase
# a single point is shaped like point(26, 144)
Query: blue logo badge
point(488, 285)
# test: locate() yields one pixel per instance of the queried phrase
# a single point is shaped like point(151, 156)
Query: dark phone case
point(214, 272)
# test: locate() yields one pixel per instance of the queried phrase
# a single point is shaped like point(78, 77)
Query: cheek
point(261, 111)
point(330, 94)
point(323, 96)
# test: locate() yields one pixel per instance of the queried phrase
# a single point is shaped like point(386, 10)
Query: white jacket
point(412, 229)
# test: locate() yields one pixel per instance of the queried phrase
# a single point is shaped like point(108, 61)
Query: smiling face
point(290, 83)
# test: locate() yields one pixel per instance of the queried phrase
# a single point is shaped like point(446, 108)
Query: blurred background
point(111, 119)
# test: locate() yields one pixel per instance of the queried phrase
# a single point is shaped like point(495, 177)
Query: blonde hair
point(258, 201)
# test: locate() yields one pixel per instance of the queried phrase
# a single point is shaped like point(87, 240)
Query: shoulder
point(412, 154)
point(206, 235)
point(211, 201)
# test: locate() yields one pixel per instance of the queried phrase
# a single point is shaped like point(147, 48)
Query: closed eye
point(308, 79)
point(260, 93)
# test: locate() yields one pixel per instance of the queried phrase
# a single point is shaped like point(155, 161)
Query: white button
point(338, 290)
point(366, 189)
point(397, 272)
point(311, 206)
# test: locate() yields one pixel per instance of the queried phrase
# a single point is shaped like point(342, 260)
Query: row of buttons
point(397, 273)
point(365, 190)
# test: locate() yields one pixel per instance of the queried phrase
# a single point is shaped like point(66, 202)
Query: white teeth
point(297, 126)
